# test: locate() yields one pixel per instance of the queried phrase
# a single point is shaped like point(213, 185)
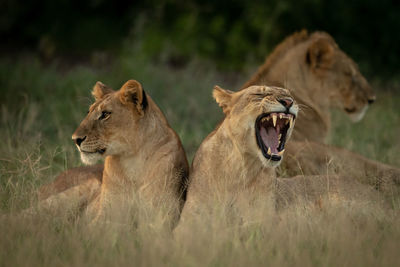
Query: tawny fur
point(230, 171)
point(144, 157)
point(321, 76)
point(229, 167)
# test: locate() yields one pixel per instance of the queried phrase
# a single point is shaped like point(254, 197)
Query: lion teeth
point(265, 119)
point(291, 121)
point(280, 116)
point(269, 151)
point(280, 153)
point(274, 119)
point(280, 135)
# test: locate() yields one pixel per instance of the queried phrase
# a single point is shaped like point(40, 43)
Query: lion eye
point(104, 115)
point(348, 73)
point(262, 95)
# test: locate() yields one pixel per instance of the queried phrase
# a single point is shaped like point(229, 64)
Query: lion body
point(144, 157)
point(229, 177)
point(229, 168)
point(321, 77)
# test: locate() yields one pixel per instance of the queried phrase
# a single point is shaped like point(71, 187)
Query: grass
point(41, 105)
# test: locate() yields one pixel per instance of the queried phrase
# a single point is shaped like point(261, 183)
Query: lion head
point(338, 76)
point(259, 120)
point(112, 122)
point(319, 72)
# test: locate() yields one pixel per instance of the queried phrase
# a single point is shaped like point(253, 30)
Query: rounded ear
point(100, 90)
point(320, 54)
point(223, 98)
point(132, 94)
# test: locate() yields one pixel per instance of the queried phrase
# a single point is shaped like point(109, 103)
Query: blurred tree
point(229, 32)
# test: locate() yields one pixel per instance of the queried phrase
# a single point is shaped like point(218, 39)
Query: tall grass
point(41, 105)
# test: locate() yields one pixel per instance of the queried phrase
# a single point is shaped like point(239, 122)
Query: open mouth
point(271, 133)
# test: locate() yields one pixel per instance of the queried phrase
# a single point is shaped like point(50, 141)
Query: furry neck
point(223, 162)
point(133, 167)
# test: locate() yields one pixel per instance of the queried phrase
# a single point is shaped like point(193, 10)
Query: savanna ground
point(42, 104)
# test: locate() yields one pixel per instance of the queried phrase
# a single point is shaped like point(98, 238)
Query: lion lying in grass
point(235, 165)
point(143, 156)
point(321, 76)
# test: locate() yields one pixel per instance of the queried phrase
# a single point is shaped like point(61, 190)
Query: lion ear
point(223, 98)
point(100, 90)
point(132, 93)
point(320, 54)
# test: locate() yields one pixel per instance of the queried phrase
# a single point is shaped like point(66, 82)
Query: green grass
point(41, 105)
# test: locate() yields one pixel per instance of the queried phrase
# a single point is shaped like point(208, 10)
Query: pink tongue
point(270, 138)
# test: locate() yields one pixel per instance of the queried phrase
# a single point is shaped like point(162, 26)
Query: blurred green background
point(230, 33)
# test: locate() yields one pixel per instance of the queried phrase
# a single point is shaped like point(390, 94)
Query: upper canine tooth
point(274, 119)
point(291, 121)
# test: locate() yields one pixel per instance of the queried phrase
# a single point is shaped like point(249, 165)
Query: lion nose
point(371, 100)
point(78, 140)
point(287, 102)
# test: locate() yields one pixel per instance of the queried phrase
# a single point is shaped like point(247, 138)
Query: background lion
point(321, 76)
point(144, 157)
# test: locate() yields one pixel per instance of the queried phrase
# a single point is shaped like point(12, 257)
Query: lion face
point(112, 121)
point(338, 75)
point(353, 94)
point(260, 120)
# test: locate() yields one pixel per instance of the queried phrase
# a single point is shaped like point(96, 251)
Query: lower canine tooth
point(280, 153)
point(269, 151)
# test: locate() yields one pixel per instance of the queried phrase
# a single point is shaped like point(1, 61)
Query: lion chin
point(90, 158)
point(268, 163)
point(357, 116)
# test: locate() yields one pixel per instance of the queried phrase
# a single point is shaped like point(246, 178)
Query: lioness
point(143, 155)
point(234, 166)
point(236, 161)
point(321, 77)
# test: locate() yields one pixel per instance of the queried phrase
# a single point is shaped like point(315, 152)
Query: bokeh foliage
point(229, 32)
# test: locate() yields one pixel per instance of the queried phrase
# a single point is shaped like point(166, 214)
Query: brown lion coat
point(229, 168)
point(143, 156)
point(321, 77)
